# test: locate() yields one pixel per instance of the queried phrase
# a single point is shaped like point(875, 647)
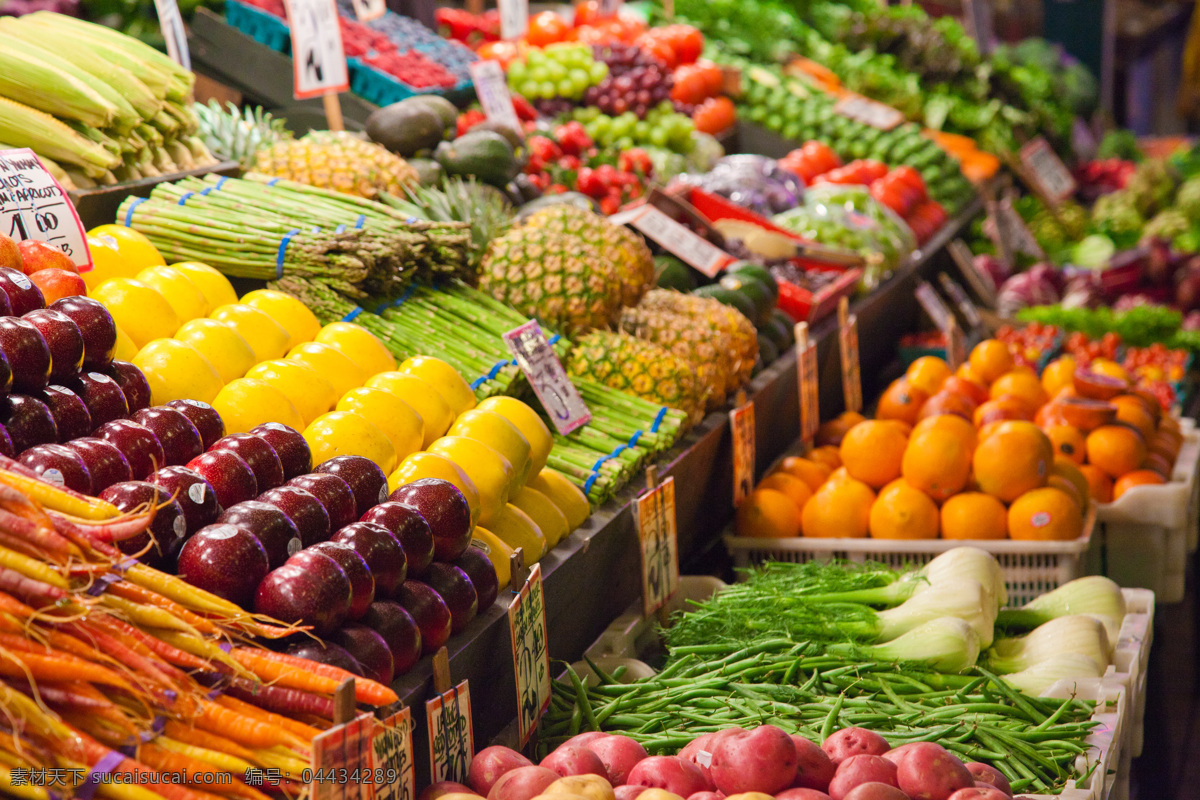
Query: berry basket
point(382, 89)
point(260, 26)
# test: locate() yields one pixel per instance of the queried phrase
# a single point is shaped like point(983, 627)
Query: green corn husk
point(22, 126)
point(40, 80)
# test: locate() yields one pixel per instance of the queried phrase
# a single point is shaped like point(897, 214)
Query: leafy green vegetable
point(1140, 326)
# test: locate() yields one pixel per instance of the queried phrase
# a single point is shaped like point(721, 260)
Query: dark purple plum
point(71, 416)
point(224, 559)
point(196, 498)
point(133, 384)
point(362, 583)
point(363, 476)
point(140, 447)
point(445, 509)
point(63, 338)
point(97, 326)
point(289, 444)
point(27, 354)
point(28, 420)
point(479, 569)
point(381, 550)
point(273, 528)
point(228, 474)
point(304, 509)
point(430, 613)
point(59, 465)
point(397, 627)
point(410, 528)
point(369, 649)
point(310, 589)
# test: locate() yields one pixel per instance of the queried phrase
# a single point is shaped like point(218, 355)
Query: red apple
point(63, 338)
point(23, 295)
point(333, 493)
point(225, 560)
point(58, 283)
point(397, 627)
point(104, 461)
point(258, 455)
point(95, 323)
point(326, 653)
point(28, 420)
point(159, 545)
point(310, 589)
point(37, 255)
point(139, 446)
point(195, 496)
point(410, 529)
point(273, 528)
point(178, 436)
point(102, 396)
point(60, 466)
point(445, 509)
point(370, 650)
point(133, 384)
point(482, 574)
point(289, 444)
point(206, 419)
point(456, 590)
point(228, 474)
point(362, 583)
point(430, 613)
point(27, 353)
point(305, 510)
point(382, 552)
point(363, 476)
point(71, 416)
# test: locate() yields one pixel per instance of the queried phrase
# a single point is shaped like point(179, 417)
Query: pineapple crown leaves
point(238, 134)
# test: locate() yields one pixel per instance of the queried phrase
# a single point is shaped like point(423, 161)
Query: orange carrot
point(306, 733)
point(242, 729)
point(300, 673)
point(147, 669)
point(165, 760)
point(90, 752)
point(209, 741)
point(152, 644)
point(58, 668)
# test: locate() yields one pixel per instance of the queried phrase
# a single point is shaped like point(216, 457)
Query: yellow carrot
point(24, 791)
point(59, 499)
point(184, 593)
point(198, 646)
point(32, 568)
point(147, 616)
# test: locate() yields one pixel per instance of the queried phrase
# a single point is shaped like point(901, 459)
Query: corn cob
point(51, 28)
point(50, 85)
point(23, 126)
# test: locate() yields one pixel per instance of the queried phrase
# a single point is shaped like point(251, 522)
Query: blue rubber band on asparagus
point(221, 182)
point(633, 440)
point(283, 243)
point(273, 181)
point(129, 211)
point(554, 339)
point(353, 315)
point(587, 485)
point(205, 192)
point(340, 229)
point(662, 412)
point(183, 200)
point(362, 219)
point(600, 462)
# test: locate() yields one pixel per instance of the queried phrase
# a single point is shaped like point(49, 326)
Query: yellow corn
point(22, 126)
point(51, 85)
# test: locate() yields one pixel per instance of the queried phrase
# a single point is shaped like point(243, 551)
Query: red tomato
point(658, 47)
point(715, 115)
point(546, 28)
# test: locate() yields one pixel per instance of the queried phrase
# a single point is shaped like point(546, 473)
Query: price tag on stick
point(367, 10)
point(807, 378)
point(678, 239)
point(318, 59)
point(934, 307)
point(392, 752)
point(956, 346)
point(983, 285)
point(659, 545)
point(491, 88)
point(741, 425)
point(342, 756)
point(848, 346)
point(451, 735)
point(514, 18)
point(546, 375)
point(1045, 171)
point(531, 658)
point(955, 292)
point(978, 14)
point(170, 21)
point(34, 206)
point(868, 112)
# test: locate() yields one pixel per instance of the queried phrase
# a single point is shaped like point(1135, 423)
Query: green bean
point(581, 696)
point(831, 719)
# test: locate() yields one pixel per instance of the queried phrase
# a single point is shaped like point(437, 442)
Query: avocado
point(767, 351)
point(442, 107)
point(755, 271)
point(779, 334)
point(566, 198)
point(485, 154)
point(673, 274)
point(406, 127)
point(753, 290)
point(429, 172)
point(514, 137)
point(729, 297)
point(785, 323)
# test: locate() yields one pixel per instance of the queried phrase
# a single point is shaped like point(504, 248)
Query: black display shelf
point(98, 206)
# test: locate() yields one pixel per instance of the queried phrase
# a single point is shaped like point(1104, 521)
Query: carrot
point(92, 752)
point(291, 702)
point(36, 721)
point(146, 616)
point(11, 605)
point(291, 766)
point(38, 541)
point(198, 646)
point(209, 741)
point(32, 591)
point(23, 791)
point(32, 568)
point(58, 498)
point(110, 530)
point(145, 668)
point(242, 729)
point(58, 668)
point(101, 730)
point(291, 672)
point(306, 733)
point(228, 763)
point(144, 596)
point(69, 694)
point(164, 760)
point(184, 593)
point(172, 655)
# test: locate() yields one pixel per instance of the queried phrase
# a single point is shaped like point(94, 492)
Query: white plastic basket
point(1131, 659)
point(1105, 741)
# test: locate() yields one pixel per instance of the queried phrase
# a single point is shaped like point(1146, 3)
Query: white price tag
point(318, 59)
point(392, 751)
point(492, 90)
point(741, 425)
point(934, 307)
point(978, 16)
point(341, 761)
point(608, 8)
point(451, 734)
point(546, 375)
point(1044, 167)
point(367, 10)
point(983, 284)
point(514, 18)
point(175, 35)
point(955, 292)
point(531, 657)
point(34, 206)
point(680, 240)
point(868, 112)
point(660, 550)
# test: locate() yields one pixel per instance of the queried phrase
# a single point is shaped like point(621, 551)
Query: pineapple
point(234, 135)
point(704, 349)
point(337, 160)
point(735, 336)
point(482, 206)
point(640, 368)
point(568, 267)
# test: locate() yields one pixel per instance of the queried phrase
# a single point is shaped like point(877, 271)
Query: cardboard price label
point(609, 8)
point(956, 345)
point(956, 293)
point(983, 284)
point(868, 112)
point(34, 206)
point(848, 348)
point(978, 16)
point(318, 59)
point(934, 307)
point(1009, 232)
point(546, 375)
point(367, 10)
point(1044, 168)
point(451, 735)
point(807, 378)
point(170, 21)
point(392, 757)
point(514, 18)
point(342, 765)
point(741, 425)
point(680, 240)
point(660, 551)
point(491, 88)
point(531, 657)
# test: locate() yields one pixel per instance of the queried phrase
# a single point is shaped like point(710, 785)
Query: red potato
point(442, 788)
point(898, 754)
point(854, 742)
point(619, 754)
point(762, 760)
point(522, 783)
point(931, 772)
point(490, 763)
point(857, 770)
point(986, 773)
point(814, 768)
point(800, 794)
point(876, 791)
point(706, 796)
point(573, 759)
point(980, 793)
point(585, 739)
point(628, 791)
point(671, 773)
point(704, 744)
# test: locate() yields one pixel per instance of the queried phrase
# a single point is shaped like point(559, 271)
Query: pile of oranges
point(990, 451)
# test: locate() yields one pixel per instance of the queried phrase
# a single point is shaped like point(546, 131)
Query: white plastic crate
point(632, 636)
point(1131, 659)
point(1105, 741)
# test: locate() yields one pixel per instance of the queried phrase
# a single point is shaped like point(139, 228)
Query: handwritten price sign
point(392, 751)
point(492, 90)
point(531, 658)
point(34, 206)
point(341, 758)
point(174, 34)
point(318, 59)
point(1046, 170)
point(660, 551)
point(451, 735)
point(741, 425)
point(546, 375)
point(868, 112)
point(676, 238)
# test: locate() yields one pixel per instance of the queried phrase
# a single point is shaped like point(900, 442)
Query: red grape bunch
point(636, 81)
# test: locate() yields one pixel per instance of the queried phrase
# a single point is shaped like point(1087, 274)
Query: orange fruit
point(1169, 423)
point(947, 403)
point(812, 473)
point(1025, 386)
point(1116, 449)
point(1100, 486)
point(768, 514)
point(928, 373)
point(1067, 440)
point(871, 452)
point(1058, 375)
point(1139, 477)
point(974, 515)
point(795, 488)
point(831, 432)
point(903, 512)
point(828, 455)
point(901, 401)
point(967, 388)
point(949, 422)
point(1164, 445)
point(1111, 369)
point(1045, 515)
point(968, 373)
point(1013, 460)
point(840, 508)
point(1064, 471)
point(938, 462)
point(998, 410)
point(990, 359)
point(1050, 415)
point(1133, 413)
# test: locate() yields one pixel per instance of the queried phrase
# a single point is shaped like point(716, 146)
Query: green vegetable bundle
point(1140, 326)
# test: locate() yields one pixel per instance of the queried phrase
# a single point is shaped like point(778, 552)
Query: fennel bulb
point(1079, 633)
point(962, 598)
point(1094, 594)
point(1039, 677)
point(947, 644)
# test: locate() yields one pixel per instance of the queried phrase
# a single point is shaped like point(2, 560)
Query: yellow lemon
point(136, 250)
point(569, 498)
point(430, 465)
point(137, 309)
point(267, 338)
point(543, 511)
point(340, 371)
point(496, 551)
point(107, 261)
point(432, 407)
point(126, 349)
point(304, 386)
point(488, 470)
point(444, 378)
point(221, 344)
point(178, 290)
point(300, 323)
point(248, 402)
point(396, 418)
point(528, 423)
point(177, 371)
point(499, 434)
point(359, 345)
point(516, 529)
point(215, 286)
point(344, 433)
